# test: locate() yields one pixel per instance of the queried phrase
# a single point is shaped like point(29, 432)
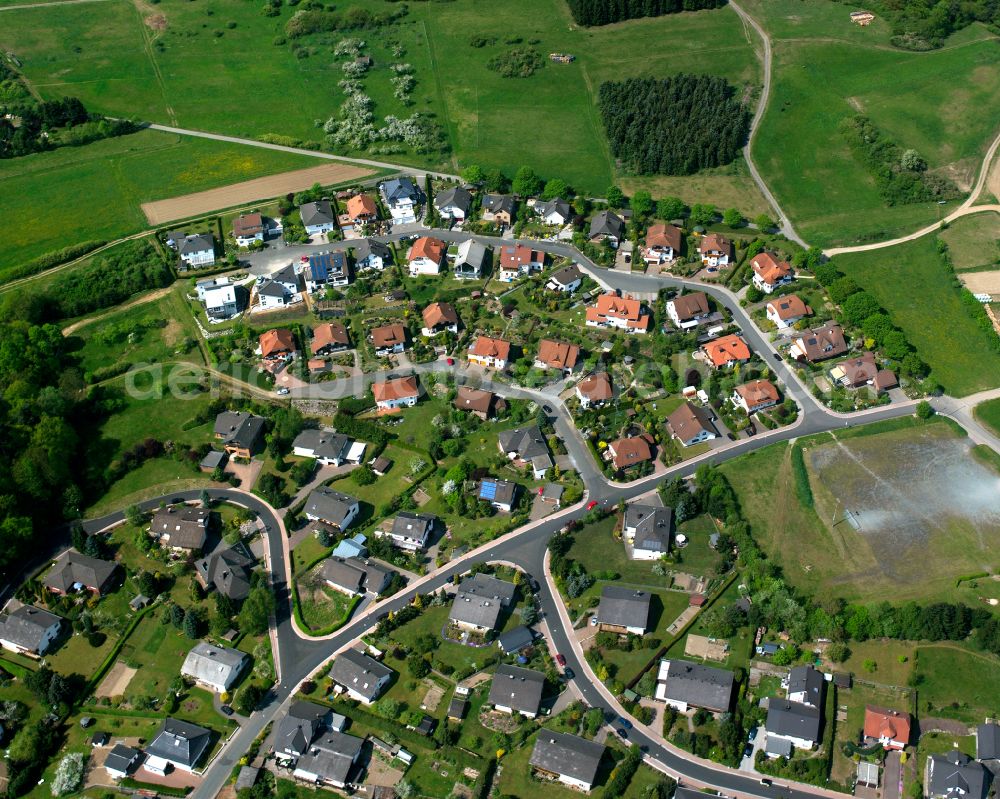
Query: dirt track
point(248, 191)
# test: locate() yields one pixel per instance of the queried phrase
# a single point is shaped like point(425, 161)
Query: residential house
point(726, 352)
point(74, 571)
point(956, 776)
point(330, 759)
point(554, 212)
point(409, 531)
point(400, 392)
point(566, 280)
point(300, 725)
point(805, 685)
point(557, 355)
point(178, 744)
point(819, 344)
point(453, 203)
point(388, 339)
point(240, 432)
point(361, 676)
point(623, 313)
point(499, 208)
point(29, 630)
point(326, 269)
point(501, 494)
point(607, 226)
point(457, 708)
point(786, 311)
point(328, 447)
point(471, 260)
point(479, 601)
point(517, 260)
point(484, 404)
point(769, 273)
point(371, 254)
point(716, 251)
point(181, 527)
point(222, 301)
point(353, 547)
point(214, 667)
point(317, 217)
point(328, 338)
point(891, 728)
point(626, 452)
point(688, 310)
point(569, 759)
point(595, 390)
point(516, 690)
point(491, 353)
point(515, 640)
point(623, 610)
point(227, 571)
point(440, 317)
point(354, 576)
point(361, 210)
point(197, 249)
point(755, 396)
point(987, 742)
point(526, 446)
point(271, 295)
point(862, 371)
point(248, 228)
point(648, 529)
point(401, 197)
point(278, 344)
point(684, 685)
point(663, 244)
point(794, 722)
point(332, 507)
point(426, 256)
point(121, 761)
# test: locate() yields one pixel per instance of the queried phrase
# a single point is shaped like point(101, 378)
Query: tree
point(842, 288)
point(205, 499)
point(177, 616)
point(135, 516)
point(732, 217)
point(69, 774)
point(526, 183)
point(250, 698)
point(924, 409)
point(670, 208)
point(877, 326)
point(895, 345)
point(614, 196)
point(473, 174)
point(763, 222)
point(859, 307)
point(418, 666)
point(838, 652)
point(194, 623)
point(495, 180)
point(753, 294)
point(363, 475)
point(555, 187)
point(257, 609)
point(642, 204)
point(702, 214)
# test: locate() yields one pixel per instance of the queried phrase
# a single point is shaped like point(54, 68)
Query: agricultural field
point(973, 241)
point(42, 193)
point(905, 279)
point(859, 539)
point(827, 70)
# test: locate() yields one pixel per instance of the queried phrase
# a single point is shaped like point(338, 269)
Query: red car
point(592, 504)
point(560, 660)
point(451, 362)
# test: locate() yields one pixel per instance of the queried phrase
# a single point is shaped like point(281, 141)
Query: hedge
point(803, 490)
point(116, 649)
point(51, 259)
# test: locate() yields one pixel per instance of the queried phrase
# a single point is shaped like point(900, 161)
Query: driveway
point(892, 777)
point(747, 763)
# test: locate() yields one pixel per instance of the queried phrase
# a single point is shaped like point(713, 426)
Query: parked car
point(748, 750)
point(282, 391)
point(766, 781)
point(622, 733)
point(625, 722)
point(226, 709)
point(560, 660)
point(450, 361)
point(593, 621)
point(592, 504)
point(568, 673)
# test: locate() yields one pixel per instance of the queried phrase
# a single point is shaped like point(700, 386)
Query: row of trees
point(604, 12)
point(674, 126)
point(925, 24)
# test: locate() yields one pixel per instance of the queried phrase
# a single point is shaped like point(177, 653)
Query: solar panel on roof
point(488, 491)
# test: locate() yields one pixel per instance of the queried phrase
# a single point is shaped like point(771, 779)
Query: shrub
point(518, 62)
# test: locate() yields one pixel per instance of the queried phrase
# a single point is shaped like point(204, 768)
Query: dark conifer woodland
point(675, 126)
point(604, 12)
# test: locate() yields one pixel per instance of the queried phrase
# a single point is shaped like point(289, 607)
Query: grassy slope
point(974, 241)
point(42, 202)
point(988, 413)
point(910, 280)
point(826, 70)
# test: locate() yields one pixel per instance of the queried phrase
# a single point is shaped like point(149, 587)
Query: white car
point(282, 391)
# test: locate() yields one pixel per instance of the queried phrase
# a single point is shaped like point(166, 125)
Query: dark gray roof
point(366, 247)
point(183, 527)
point(793, 719)
point(557, 204)
point(331, 756)
point(699, 685)
point(198, 242)
point(121, 758)
point(287, 275)
point(413, 525)
point(625, 607)
point(323, 443)
point(72, 568)
point(527, 442)
point(779, 747)
point(496, 203)
point(354, 574)
point(559, 753)
point(213, 664)
point(457, 707)
point(654, 526)
point(567, 275)
point(329, 505)
point(213, 459)
point(358, 672)
point(396, 189)
point(805, 679)
point(607, 223)
point(988, 742)
point(246, 778)
point(228, 570)
point(180, 742)
point(317, 213)
point(456, 196)
point(270, 288)
point(27, 626)
point(501, 492)
point(476, 610)
point(486, 585)
point(475, 255)
point(957, 776)
point(239, 428)
point(299, 726)
point(515, 640)
point(517, 688)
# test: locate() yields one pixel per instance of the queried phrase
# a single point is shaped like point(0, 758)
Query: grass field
point(957, 683)
point(988, 413)
point(825, 70)
point(906, 280)
point(973, 241)
point(42, 193)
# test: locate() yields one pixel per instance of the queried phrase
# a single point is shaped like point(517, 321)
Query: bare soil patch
point(981, 282)
point(156, 22)
point(116, 681)
point(160, 211)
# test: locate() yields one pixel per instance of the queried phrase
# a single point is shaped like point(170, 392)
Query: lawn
point(893, 661)
point(41, 197)
point(988, 414)
point(321, 606)
point(906, 280)
point(385, 488)
point(973, 241)
point(958, 683)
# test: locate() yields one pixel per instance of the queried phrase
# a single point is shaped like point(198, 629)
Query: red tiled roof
point(883, 723)
point(727, 349)
point(557, 355)
point(630, 451)
point(427, 247)
point(770, 269)
point(387, 336)
point(329, 333)
point(757, 393)
point(514, 256)
point(788, 307)
point(596, 387)
point(395, 389)
point(248, 225)
point(361, 205)
point(486, 347)
point(713, 242)
point(276, 342)
point(664, 236)
point(440, 312)
point(610, 305)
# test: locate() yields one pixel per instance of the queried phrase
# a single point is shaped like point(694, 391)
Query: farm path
point(153, 296)
point(22, 6)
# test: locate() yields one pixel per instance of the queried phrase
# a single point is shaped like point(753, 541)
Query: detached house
point(400, 392)
point(332, 507)
point(499, 208)
point(726, 352)
point(223, 300)
point(863, 371)
point(471, 260)
point(240, 432)
point(361, 211)
point(317, 217)
point(607, 226)
point(688, 310)
point(354, 576)
point(569, 759)
point(623, 610)
point(479, 601)
point(517, 260)
point(181, 528)
point(769, 273)
point(453, 203)
point(29, 630)
point(327, 447)
point(786, 311)
point(388, 339)
point(648, 529)
point(819, 344)
point(956, 776)
point(491, 353)
point(214, 667)
point(794, 723)
point(277, 345)
point(691, 424)
point(329, 760)
point(426, 256)
point(566, 280)
point(227, 571)
point(362, 677)
point(663, 244)
point(684, 685)
point(501, 494)
point(554, 212)
point(526, 446)
point(299, 726)
point(371, 254)
point(271, 294)
point(557, 355)
point(755, 396)
point(248, 228)
point(716, 251)
point(891, 728)
point(626, 452)
point(595, 390)
point(197, 250)
point(74, 572)
point(409, 531)
point(178, 744)
point(483, 404)
point(326, 269)
point(401, 197)
point(440, 317)
point(328, 338)
point(622, 313)
point(516, 690)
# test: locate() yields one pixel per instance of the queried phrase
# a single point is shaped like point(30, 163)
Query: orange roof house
point(440, 315)
point(715, 250)
point(595, 389)
point(427, 247)
point(755, 395)
point(621, 312)
point(361, 208)
point(891, 728)
point(663, 242)
point(726, 351)
point(395, 393)
point(787, 310)
point(278, 343)
point(557, 355)
point(769, 272)
point(388, 337)
point(490, 352)
point(329, 336)
point(627, 452)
